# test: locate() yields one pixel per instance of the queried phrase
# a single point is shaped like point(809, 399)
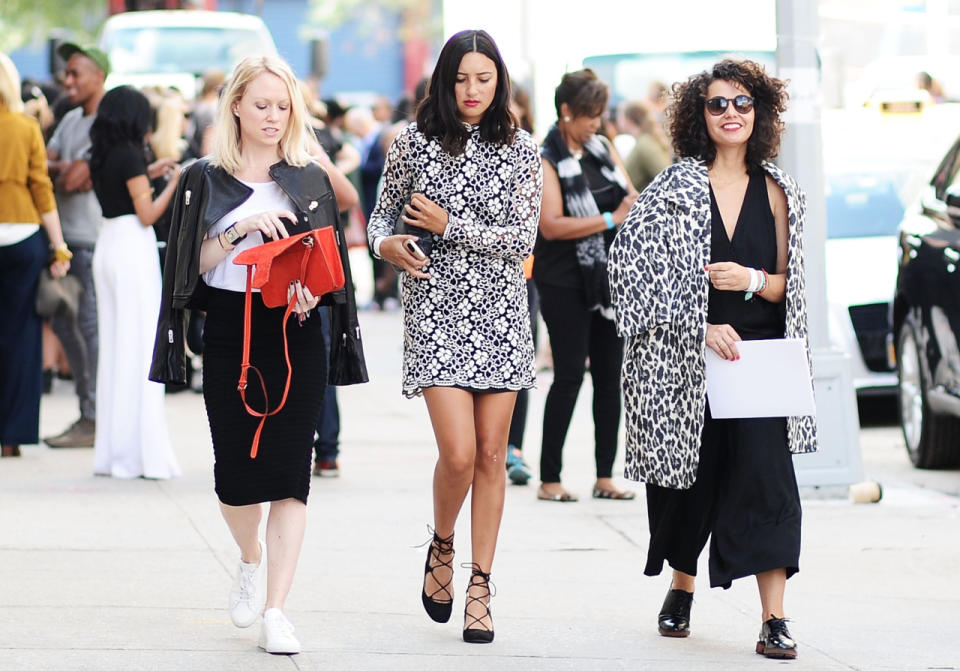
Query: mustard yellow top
point(26, 191)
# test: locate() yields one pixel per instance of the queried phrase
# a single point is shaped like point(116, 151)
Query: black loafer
point(775, 640)
point(674, 618)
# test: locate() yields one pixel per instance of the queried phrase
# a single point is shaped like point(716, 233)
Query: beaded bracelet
point(61, 254)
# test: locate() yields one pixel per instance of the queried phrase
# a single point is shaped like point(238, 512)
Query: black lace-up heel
point(483, 633)
point(440, 609)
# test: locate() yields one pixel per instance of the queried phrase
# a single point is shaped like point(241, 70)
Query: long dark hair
point(437, 115)
point(123, 118)
point(688, 128)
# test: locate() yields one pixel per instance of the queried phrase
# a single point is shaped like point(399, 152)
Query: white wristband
point(376, 246)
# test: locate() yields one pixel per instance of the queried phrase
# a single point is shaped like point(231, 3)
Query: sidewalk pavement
point(99, 573)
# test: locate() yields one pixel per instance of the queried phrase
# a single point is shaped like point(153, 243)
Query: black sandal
point(439, 610)
point(483, 634)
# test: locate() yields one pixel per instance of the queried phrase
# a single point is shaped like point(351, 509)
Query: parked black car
point(926, 320)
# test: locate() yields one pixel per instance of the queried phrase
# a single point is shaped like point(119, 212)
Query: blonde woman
point(259, 183)
point(167, 139)
point(26, 204)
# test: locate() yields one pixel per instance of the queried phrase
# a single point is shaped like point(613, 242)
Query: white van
point(174, 47)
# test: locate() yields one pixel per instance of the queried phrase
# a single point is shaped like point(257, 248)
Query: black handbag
point(347, 363)
point(424, 237)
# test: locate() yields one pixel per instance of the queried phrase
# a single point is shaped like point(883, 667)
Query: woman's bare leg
point(451, 413)
point(772, 585)
point(683, 581)
point(286, 525)
point(492, 415)
point(244, 524)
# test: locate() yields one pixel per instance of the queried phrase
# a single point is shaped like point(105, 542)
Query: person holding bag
point(259, 184)
point(26, 205)
point(467, 176)
point(709, 256)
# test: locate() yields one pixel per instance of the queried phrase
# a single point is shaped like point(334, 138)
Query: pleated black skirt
point(745, 500)
point(282, 467)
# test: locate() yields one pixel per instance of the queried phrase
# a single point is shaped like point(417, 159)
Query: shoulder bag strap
point(245, 365)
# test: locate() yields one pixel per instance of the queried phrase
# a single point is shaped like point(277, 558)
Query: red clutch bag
point(313, 258)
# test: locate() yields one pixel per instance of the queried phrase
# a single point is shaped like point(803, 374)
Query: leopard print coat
point(660, 294)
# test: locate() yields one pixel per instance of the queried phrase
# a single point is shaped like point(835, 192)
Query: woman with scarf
point(711, 255)
point(586, 195)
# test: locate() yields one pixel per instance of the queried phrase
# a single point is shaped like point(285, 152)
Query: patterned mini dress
point(468, 325)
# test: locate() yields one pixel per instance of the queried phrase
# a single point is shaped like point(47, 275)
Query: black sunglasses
point(718, 105)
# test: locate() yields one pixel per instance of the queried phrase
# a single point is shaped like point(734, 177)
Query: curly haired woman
point(709, 256)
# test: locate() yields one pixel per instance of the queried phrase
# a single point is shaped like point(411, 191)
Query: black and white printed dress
point(468, 325)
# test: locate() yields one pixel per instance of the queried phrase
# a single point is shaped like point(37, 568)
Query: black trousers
point(519, 420)
point(745, 499)
point(575, 334)
point(20, 349)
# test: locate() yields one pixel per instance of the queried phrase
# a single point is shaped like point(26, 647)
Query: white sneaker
point(277, 636)
point(244, 607)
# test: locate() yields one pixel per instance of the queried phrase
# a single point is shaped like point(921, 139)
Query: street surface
point(100, 573)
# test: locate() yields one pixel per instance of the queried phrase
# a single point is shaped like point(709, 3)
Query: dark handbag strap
point(245, 364)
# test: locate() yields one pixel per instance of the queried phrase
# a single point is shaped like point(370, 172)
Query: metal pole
point(838, 462)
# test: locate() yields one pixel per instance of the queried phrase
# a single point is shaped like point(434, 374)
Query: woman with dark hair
point(469, 180)
point(586, 194)
point(711, 255)
point(132, 439)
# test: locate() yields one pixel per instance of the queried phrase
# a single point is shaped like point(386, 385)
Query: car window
point(180, 49)
point(947, 173)
point(860, 207)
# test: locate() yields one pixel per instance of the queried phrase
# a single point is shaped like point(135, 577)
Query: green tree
point(25, 21)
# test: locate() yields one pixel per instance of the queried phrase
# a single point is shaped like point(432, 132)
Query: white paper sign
point(771, 379)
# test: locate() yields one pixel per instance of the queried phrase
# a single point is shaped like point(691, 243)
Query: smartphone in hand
point(412, 247)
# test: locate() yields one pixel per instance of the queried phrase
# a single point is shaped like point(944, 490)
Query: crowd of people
point(640, 233)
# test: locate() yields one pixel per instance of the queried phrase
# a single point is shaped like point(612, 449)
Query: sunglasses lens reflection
point(718, 105)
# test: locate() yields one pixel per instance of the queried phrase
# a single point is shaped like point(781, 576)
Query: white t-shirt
point(266, 196)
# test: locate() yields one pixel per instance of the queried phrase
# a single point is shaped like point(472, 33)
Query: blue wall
point(357, 61)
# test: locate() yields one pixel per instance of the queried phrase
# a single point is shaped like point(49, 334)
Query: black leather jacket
point(204, 195)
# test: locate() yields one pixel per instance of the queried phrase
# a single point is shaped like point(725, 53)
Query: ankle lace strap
point(478, 579)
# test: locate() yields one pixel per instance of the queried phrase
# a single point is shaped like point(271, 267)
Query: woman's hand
point(59, 268)
point(620, 214)
point(722, 339)
point(392, 249)
point(424, 213)
point(306, 301)
point(163, 167)
point(269, 224)
point(728, 276)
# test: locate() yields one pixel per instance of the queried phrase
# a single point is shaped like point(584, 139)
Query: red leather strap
point(245, 364)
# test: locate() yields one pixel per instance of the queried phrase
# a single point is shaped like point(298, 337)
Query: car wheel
point(931, 439)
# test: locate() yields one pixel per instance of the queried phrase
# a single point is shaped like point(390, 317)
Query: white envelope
point(771, 379)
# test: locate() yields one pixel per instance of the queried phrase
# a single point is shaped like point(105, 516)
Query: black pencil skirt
point(282, 467)
point(745, 499)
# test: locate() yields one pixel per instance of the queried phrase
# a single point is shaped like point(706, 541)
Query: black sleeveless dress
point(745, 498)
